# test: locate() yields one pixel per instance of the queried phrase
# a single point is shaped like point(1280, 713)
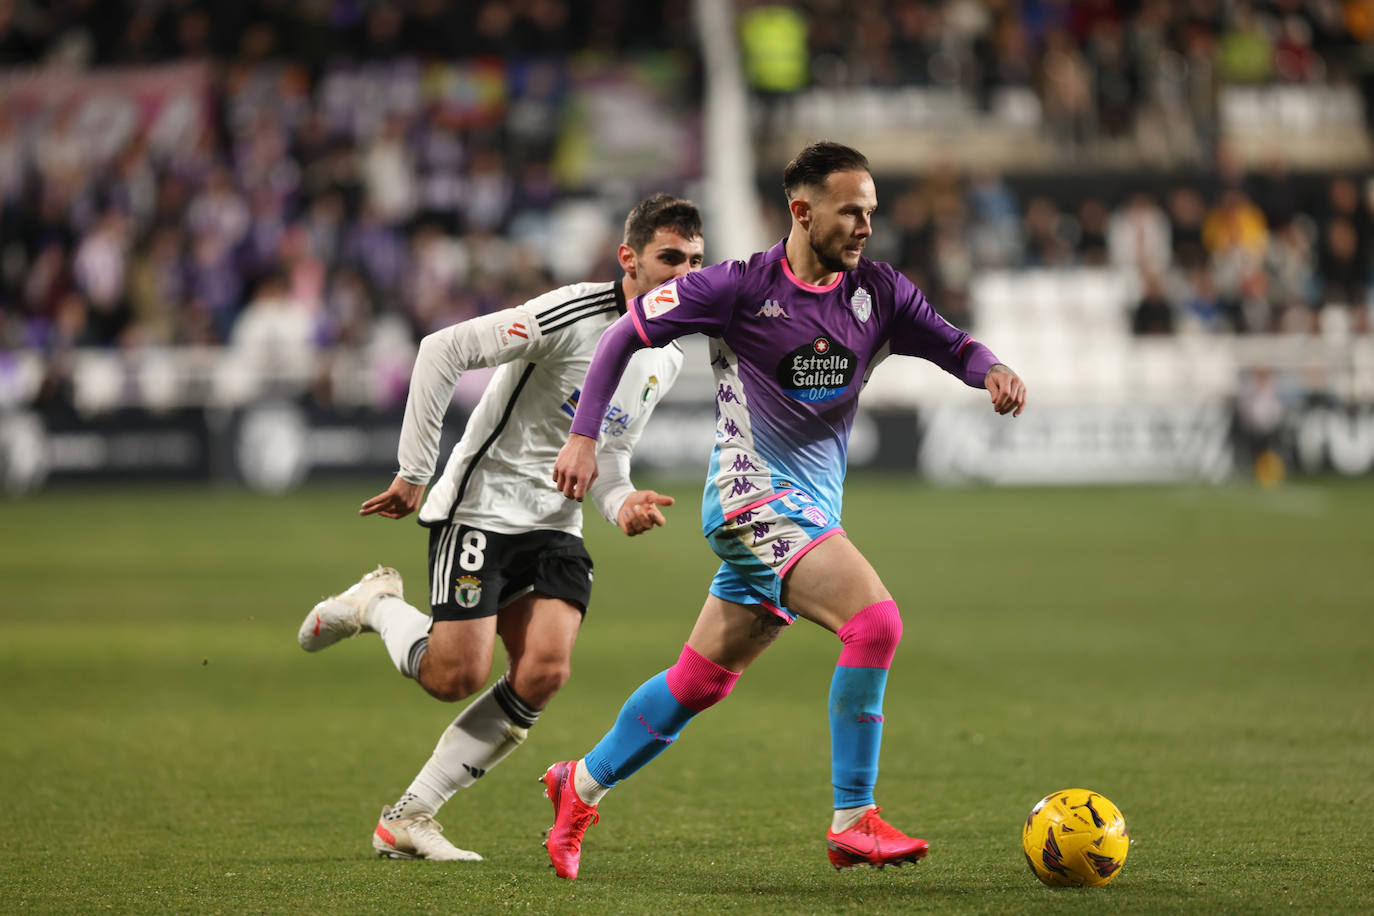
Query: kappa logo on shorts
point(661, 301)
point(467, 591)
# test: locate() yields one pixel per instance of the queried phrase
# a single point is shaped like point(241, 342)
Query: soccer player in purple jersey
point(795, 332)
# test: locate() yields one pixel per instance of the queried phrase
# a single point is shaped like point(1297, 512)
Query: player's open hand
point(397, 501)
point(575, 468)
point(1007, 390)
point(640, 512)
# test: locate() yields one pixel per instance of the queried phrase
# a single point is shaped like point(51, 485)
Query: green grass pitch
point(1202, 656)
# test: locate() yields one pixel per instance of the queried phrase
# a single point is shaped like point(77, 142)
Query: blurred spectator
point(216, 283)
point(1254, 306)
point(1154, 314)
point(1235, 224)
point(1345, 275)
point(100, 269)
point(275, 337)
point(1115, 78)
point(1139, 236)
point(219, 211)
point(1260, 413)
point(1005, 59)
point(1274, 192)
point(773, 45)
point(1295, 60)
point(1186, 213)
point(1291, 264)
point(1246, 53)
point(158, 287)
point(389, 174)
point(1202, 308)
point(1093, 244)
point(996, 230)
point(1049, 235)
point(1066, 90)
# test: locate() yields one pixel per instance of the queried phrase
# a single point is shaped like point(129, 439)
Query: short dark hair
point(814, 164)
point(661, 211)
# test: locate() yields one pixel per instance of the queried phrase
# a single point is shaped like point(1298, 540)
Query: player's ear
point(628, 261)
point(801, 210)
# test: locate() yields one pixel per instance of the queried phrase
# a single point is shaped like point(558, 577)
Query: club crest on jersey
point(650, 390)
point(660, 301)
point(467, 591)
point(771, 308)
point(861, 304)
point(513, 331)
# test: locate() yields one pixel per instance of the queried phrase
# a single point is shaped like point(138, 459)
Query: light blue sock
point(650, 720)
point(856, 733)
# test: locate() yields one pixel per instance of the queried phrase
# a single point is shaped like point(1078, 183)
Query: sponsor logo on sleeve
point(660, 301)
point(650, 390)
point(513, 331)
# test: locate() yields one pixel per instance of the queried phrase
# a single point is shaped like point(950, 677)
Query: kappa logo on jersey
point(772, 308)
point(513, 331)
point(467, 591)
point(818, 371)
point(861, 303)
point(660, 301)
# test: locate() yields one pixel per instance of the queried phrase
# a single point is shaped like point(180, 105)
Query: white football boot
point(416, 836)
point(345, 615)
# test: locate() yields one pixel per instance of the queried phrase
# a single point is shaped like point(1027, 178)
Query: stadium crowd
point(299, 210)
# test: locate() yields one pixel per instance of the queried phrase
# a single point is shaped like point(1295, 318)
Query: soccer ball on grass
point(1075, 838)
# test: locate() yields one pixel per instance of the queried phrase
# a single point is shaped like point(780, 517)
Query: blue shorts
point(760, 544)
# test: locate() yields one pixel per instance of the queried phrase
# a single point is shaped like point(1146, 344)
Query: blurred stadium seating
point(1141, 205)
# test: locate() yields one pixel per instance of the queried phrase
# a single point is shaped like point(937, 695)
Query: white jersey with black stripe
point(500, 474)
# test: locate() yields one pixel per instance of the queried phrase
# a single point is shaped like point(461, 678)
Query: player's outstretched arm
point(1006, 389)
point(640, 511)
point(396, 501)
point(575, 468)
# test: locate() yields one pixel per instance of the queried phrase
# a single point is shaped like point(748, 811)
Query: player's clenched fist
point(575, 468)
point(1007, 390)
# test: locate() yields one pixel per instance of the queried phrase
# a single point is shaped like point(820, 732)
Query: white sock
point(844, 818)
point(588, 789)
point(404, 631)
point(482, 736)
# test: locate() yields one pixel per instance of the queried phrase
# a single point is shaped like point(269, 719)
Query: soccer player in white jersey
point(505, 549)
point(795, 332)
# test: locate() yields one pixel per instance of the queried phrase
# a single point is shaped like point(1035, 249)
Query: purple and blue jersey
point(789, 360)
